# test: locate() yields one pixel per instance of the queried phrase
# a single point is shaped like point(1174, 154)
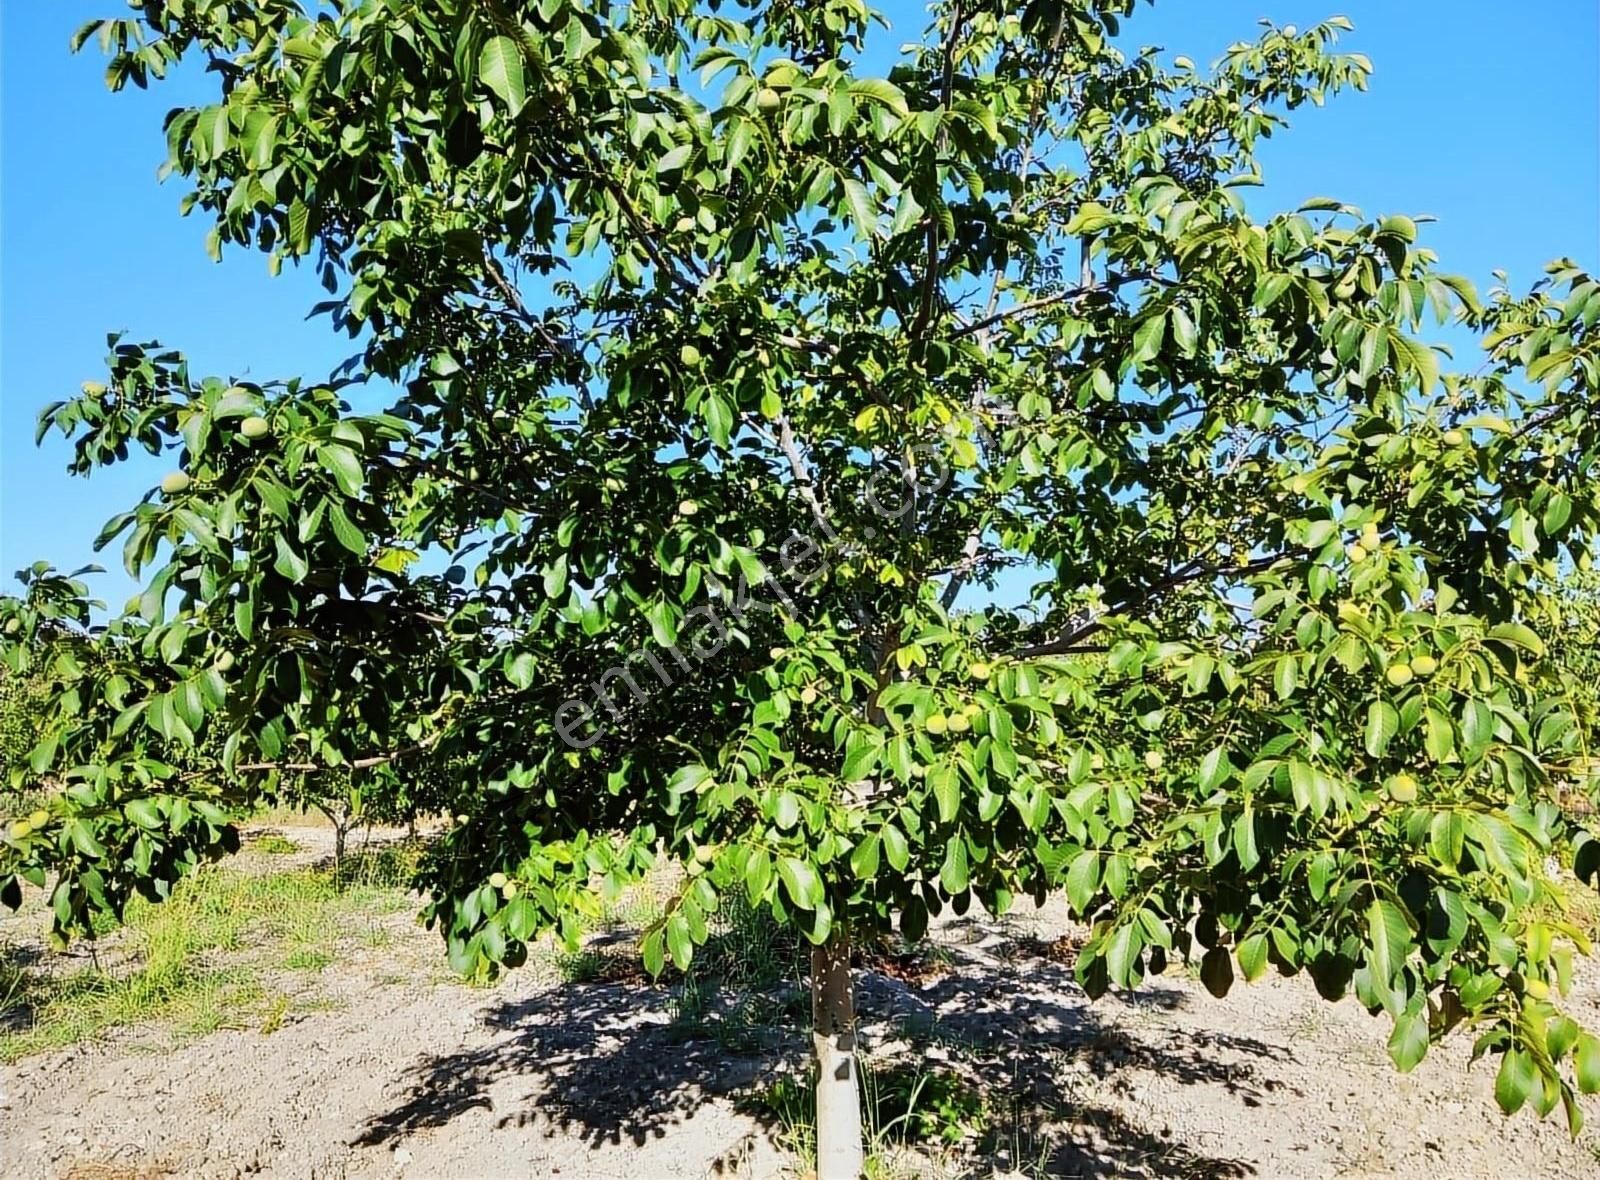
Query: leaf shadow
point(609, 1062)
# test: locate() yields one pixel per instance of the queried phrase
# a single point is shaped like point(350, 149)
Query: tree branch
point(803, 478)
point(1045, 301)
point(1067, 643)
point(930, 280)
point(366, 763)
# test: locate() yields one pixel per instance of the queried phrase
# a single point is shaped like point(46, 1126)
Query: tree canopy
point(877, 481)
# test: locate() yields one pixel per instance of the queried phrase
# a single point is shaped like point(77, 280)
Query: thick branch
point(1028, 308)
point(366, 763)
point(1068, 643)
point(801, 470)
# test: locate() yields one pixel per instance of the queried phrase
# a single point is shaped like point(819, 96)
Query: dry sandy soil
point(404, 1073)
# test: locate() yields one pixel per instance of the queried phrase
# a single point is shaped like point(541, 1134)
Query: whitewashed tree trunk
point(833, 1037)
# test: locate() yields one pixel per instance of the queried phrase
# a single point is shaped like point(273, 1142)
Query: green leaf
point(1390, 936)
point(1148, 337)
point(663, 619)
point(895, 848)
point(520, 670)
point(144, 812)
point(679, 943)
point(345, 531)
point(801, 881)
point(652, 950)
point(676, 159)
point(821, 927)
point(1252, 955)
point(1383, 722)
point(83, 839)
point(1123, 952)
point(289, 563)
point(864, 858)
point(946, 787)
point(1408, 1044)
point(953, 874)
point(757, 875)
point(1244, 839)
point(1286, 676)
point(786, 810)
point(342, 464)
point(862, 209)
point(861, 752)
point(718, 418)
point(1515, 1082)
point(1083, 881)
point(686, 780)
point(883, 92)
point(1557, 512)
point(1421, 359)
point(1270, 289)
point(1214, 769)
point(500, 68)
point(1518, 635)
point(1399, 227)
point(43, 754)
point(1586, 1062)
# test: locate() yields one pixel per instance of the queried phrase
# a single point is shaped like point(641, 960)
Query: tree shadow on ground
point(608, 1061)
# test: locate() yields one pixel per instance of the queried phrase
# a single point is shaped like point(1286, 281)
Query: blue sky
point(1481, 113)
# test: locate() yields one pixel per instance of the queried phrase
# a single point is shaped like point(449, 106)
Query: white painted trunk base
point(833, 1037)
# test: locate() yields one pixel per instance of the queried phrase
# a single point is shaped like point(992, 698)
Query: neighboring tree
point(1567, 612)
point(727, 368)
point(27, 679)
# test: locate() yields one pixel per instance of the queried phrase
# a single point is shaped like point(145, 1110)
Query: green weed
point(273, 844)
point(901, 1107)
point(195, 962)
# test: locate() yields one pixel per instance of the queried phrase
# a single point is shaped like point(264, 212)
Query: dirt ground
point(400, 1071)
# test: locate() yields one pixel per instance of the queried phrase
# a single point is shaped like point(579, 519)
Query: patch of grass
point(273, 844)
point(910, 1105)
point(582, 966)
point(273, 1020)
point(384, 872)
point(901, 1107)
point(195, 963)
point(748, 950)
point(308, 958)
point(746, 987)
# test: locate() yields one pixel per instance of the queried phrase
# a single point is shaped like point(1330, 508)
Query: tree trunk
point(833, 1037)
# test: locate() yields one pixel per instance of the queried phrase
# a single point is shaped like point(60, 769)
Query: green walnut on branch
point(1227, 616)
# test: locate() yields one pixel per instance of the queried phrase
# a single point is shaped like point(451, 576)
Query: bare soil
point(400, 1071)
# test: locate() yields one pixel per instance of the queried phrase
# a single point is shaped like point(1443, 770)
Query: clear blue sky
point(1480, 112)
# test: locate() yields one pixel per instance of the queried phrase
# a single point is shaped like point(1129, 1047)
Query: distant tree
point(1567, 612)
point(26, 686)
point(728, 365)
